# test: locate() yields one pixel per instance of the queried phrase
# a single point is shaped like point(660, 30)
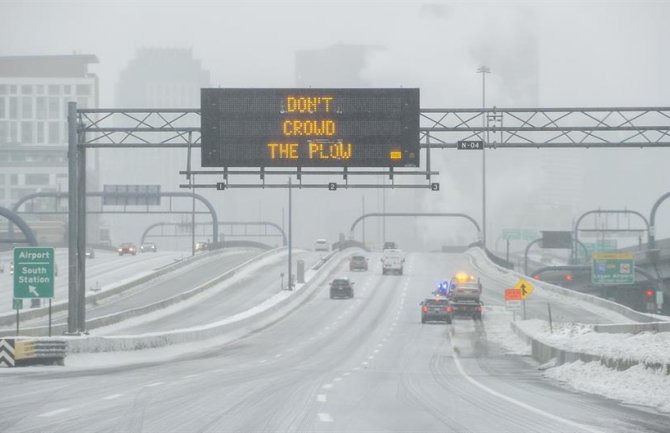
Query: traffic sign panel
point(17, 304)
point(513, 305)
point(612, 268)
point(513, 295)
point(525, 288)
point(34, 272)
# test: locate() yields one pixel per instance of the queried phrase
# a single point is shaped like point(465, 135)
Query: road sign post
point(612, 268)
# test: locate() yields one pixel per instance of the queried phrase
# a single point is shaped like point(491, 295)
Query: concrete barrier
point(9, 319)
point(544, 353)
point(251, 320)
point(633, 328)
point(111, 319)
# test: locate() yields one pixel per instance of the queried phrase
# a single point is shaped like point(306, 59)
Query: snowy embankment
point(616, 350)
point(247, 321)
point(632, 367)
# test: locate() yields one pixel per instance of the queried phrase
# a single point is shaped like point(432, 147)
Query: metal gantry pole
point(81, 235)
point(484, 70)
point(73, 310)
point(290, 235)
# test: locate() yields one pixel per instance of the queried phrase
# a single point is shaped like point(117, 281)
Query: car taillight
point(479, 308)
point(425, 308)
point(449, 309)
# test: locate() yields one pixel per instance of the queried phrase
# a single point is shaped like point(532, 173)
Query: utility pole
point(485, 138)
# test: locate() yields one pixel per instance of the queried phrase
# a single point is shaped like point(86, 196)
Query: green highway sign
point(34, 272)
point(612, 268)
point(17, 304)
point(519, 234)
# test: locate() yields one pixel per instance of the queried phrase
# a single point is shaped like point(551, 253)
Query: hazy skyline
point(548, 53)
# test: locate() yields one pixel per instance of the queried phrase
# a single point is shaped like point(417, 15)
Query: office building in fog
point(34, 93)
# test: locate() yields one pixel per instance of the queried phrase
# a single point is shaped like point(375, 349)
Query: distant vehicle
point(390, 245)
point(465, 309)
point(2, 267)
point(358, 263)
point(392, 261)
point(11, 266)
point(148, 246)
point(321, 245)
point(463, 286)
point(201, 246)
point(90, 254)
point(341, 288)
point(464, 293)
point(435, 310)
point(127, 248)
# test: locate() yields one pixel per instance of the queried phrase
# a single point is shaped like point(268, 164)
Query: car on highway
point(11, 266)
point(435, 310)
point(127, 248)
point(2, 267)
point(465, 309)
point(148, 246)
point(358, 263)
point(201, 246)
point(392, 261)
point(341, 288)
point(321, 245)
point(90, 254)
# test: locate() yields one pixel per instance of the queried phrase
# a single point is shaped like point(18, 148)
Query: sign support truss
point(618, 127)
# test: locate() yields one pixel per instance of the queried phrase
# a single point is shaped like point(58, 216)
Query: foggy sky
point(544, 53)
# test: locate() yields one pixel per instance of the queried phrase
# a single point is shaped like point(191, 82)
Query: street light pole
point(484, 70)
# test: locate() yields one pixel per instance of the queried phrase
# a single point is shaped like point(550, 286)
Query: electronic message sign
point(310, 127)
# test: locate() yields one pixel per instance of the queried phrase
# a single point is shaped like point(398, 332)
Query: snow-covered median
point(651, 348)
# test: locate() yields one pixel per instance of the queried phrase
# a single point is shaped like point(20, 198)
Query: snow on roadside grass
point(646, 347)
point(637, 385)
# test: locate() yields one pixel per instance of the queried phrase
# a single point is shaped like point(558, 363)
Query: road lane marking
point(521, 404)
point(321, 398)
point(278, 355)
point(325, 417)
point(190, 376)
point(151, 385)
point(327, 386)
point(346, 373)
point(112, 397)
point(55, 412)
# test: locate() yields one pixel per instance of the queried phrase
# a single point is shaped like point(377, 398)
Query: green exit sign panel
point(613, 268)
point(34, 272)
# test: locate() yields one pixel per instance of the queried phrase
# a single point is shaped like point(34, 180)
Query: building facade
point(34, 93)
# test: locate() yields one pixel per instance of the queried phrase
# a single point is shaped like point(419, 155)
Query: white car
point(321, 245)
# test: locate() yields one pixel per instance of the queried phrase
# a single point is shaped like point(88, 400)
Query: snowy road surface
point(360, 365)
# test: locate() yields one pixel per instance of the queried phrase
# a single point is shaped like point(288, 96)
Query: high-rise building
point(339, 65)
point(34, 93)
point(155, 78)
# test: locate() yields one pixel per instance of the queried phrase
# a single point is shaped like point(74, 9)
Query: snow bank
point(649, 348)
point(636, 385)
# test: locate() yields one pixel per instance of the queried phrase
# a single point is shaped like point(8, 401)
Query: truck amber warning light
point(310, 127)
